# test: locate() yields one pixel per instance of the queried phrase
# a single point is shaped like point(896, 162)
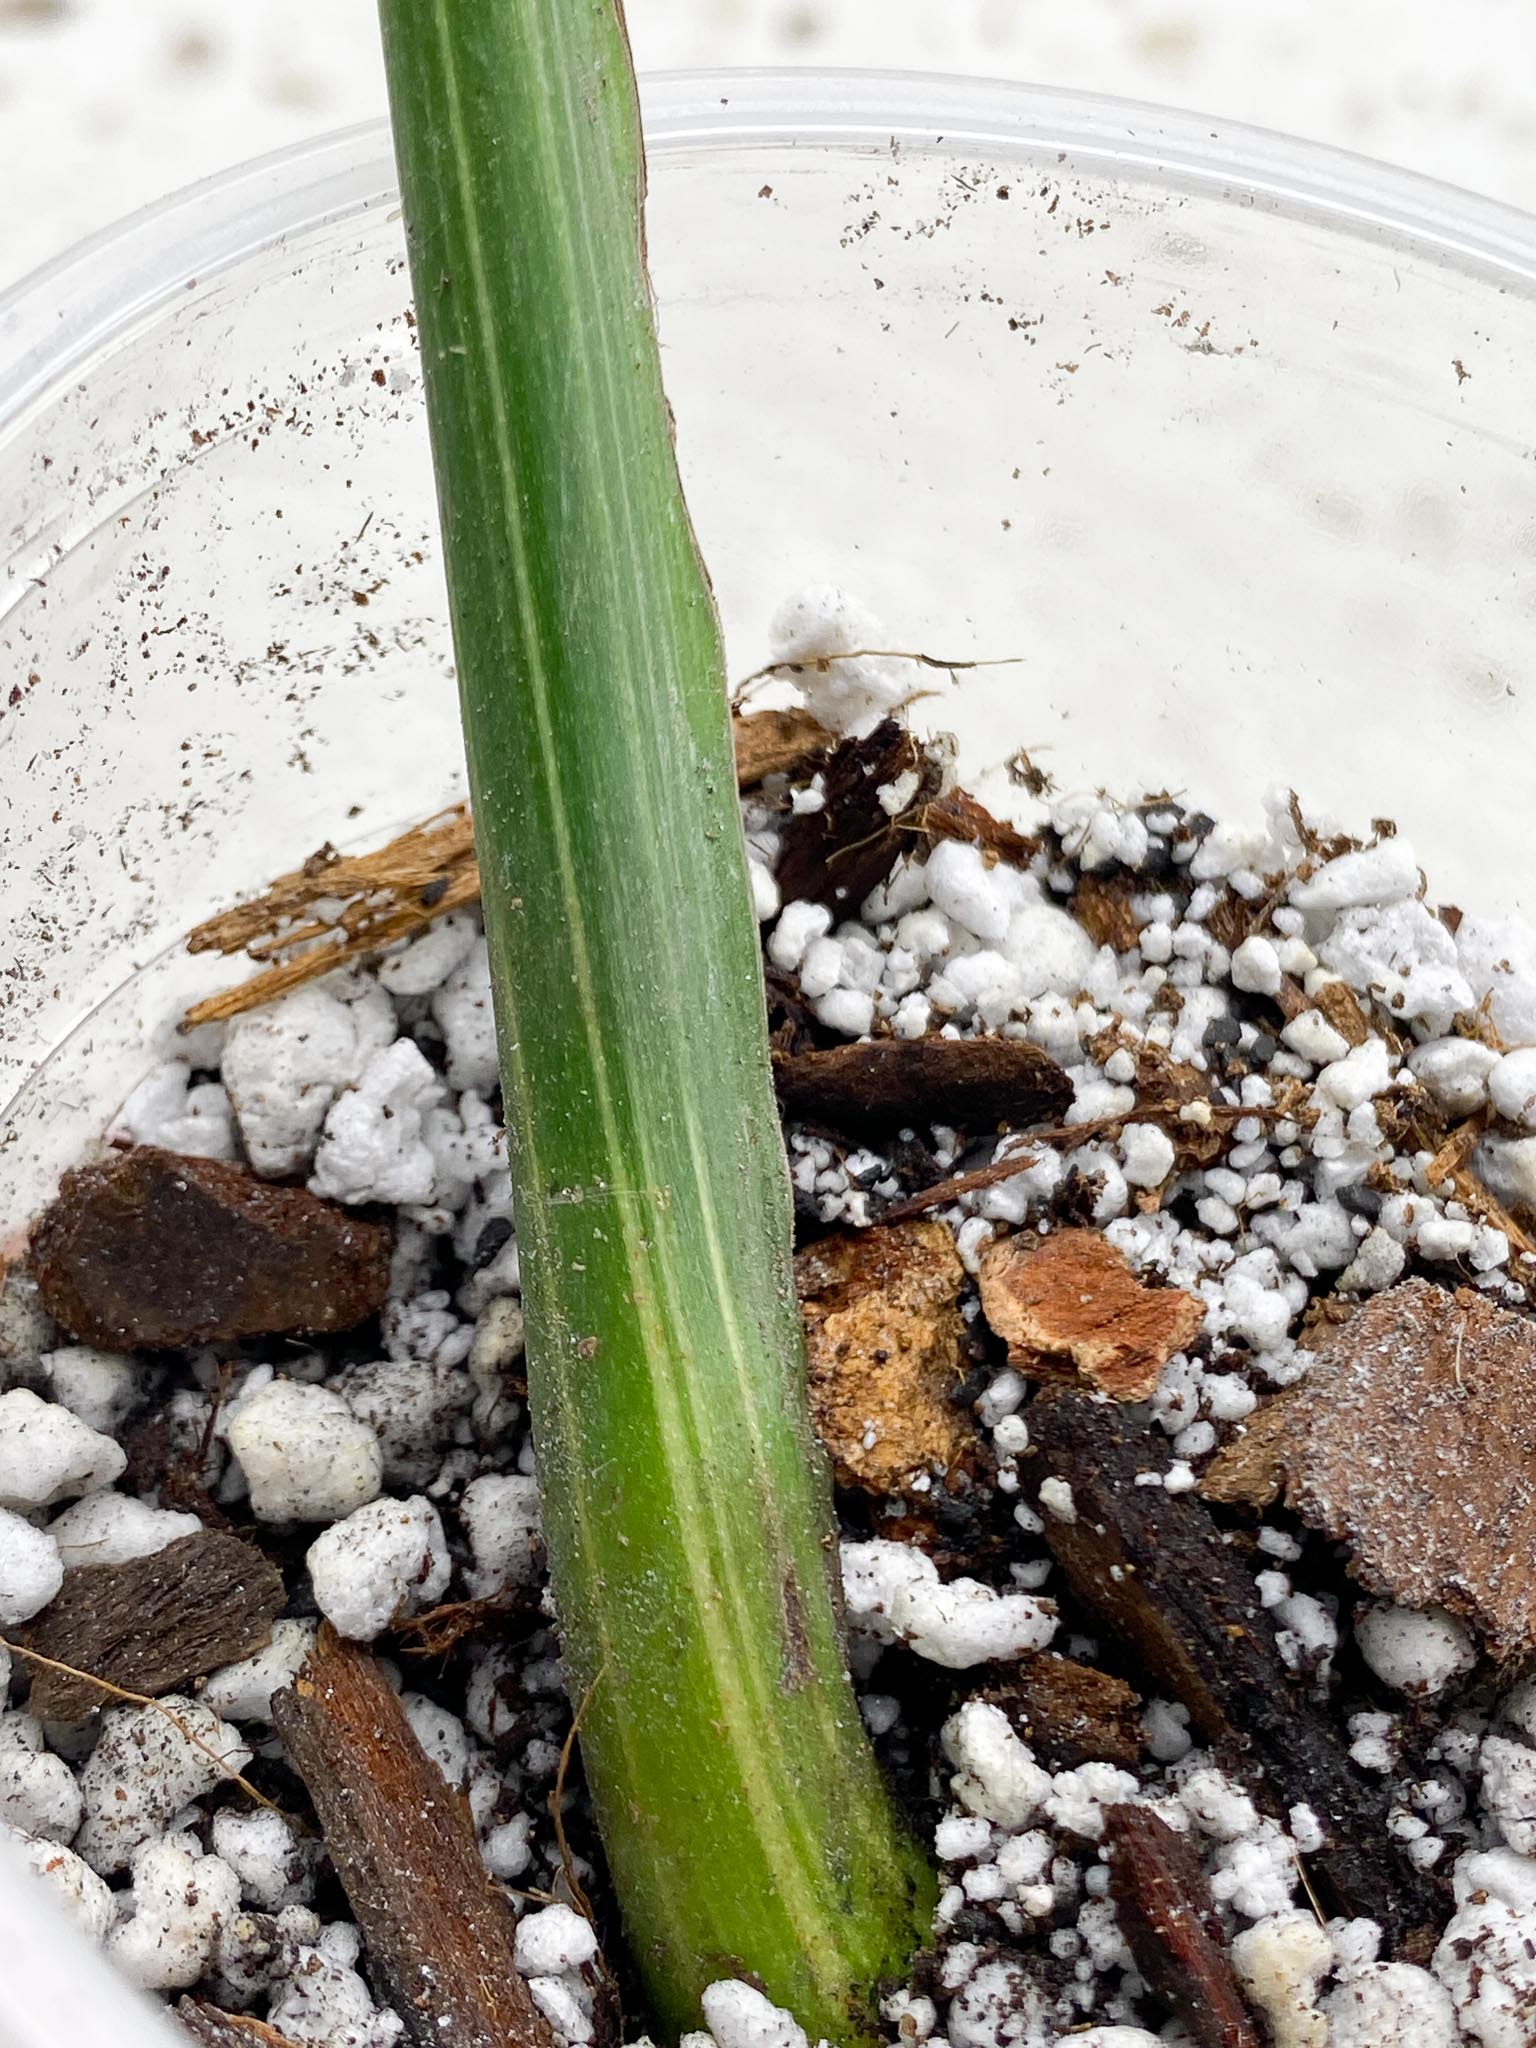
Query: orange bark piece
point(1070, 1304)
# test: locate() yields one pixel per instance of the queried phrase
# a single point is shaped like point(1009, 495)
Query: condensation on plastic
point(1228, 439)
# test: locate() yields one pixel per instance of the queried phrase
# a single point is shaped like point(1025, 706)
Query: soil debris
point(151, 1250)
point(877, 1085)
point(1155, 1573)
point(214, 2028)
point(1069, 1303)
point(439, 1932)
point(153, 1622)
point(958, 815)
point(439, 1631)
point(1169, 1922)
point(1413, 1442)
point(975, 1179)
point(1071, 1713)
point(1249, 1469)
point(883, 1335)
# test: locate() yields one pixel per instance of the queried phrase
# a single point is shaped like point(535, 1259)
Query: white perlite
point(322, 2000)
point(75, 1887)
point(31, 1570)
point(181, 1901)
point(996, 1775)
point(738, 2016)
point(1487, 1955)
point(1417, 1652)
point(500, 1514)
point(306, 1457)
point(243, 1691)
point(382, 1561)
point(967, 1622)
point(48, 1454)
point(39, 1796)
point(373, 1147)
point(285, 1065)
point(553, 1940)
point(274, 1863)
point(1281, 1961)
point(113, 1528)
point(148, 1763)
point(169, 1110)
point(1390, 2005)
point(102, 1388)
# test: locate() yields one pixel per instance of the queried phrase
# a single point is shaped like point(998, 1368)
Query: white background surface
point(106, 104)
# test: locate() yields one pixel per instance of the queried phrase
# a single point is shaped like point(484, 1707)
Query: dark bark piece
point(216, 2029)
point(439, 1933)
point(154, 1622)
point(776, 743)
point(881, 1084)
point(1071, 1714)
point(152, 1250)
point(1154, 1572)
point(1169, 1922)
point(838, 854)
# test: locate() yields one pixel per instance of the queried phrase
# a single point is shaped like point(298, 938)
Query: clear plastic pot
point(1227, 439)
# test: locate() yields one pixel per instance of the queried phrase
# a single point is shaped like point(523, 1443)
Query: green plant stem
point(687, 1510)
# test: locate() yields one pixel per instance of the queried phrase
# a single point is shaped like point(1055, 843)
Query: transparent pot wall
point(1244, 481)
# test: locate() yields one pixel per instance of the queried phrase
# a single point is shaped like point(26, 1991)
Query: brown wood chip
point(1070, 1303)
point(957, 815)
point(152, 1623)
point(1170, 1926)
point(1071, 1714)
point(1413, 1442)
point(1249, 1469)
point(776, 743)
point(1341, 1006)
point(878, 1085)
point(883, 1331)
point(216, 2029)
point(838, 854)
point(439, 1933)
point(1156, 1575)
point(1232, 918)
point(1102, 906)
